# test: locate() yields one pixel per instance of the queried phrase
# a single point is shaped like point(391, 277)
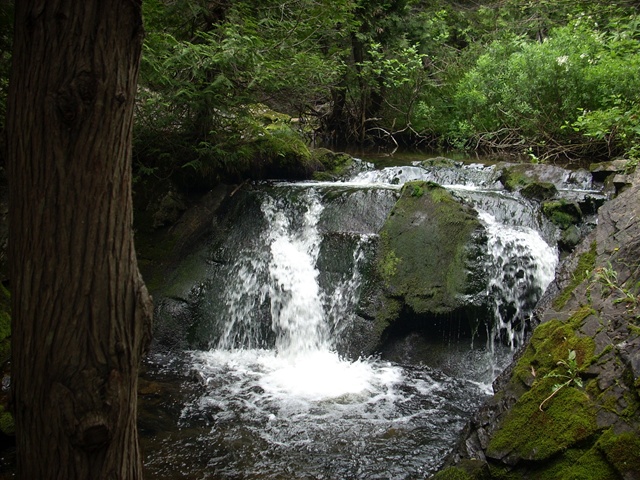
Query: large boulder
point(426, 269)
point(569, 406)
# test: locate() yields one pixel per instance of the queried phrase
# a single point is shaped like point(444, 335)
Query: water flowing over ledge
point(274, 396)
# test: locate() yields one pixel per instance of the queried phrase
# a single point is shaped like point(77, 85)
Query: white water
point(296, 307)
point(304, 363)
point(521, 265)
point(278, 400)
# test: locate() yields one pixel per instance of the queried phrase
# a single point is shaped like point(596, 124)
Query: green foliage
point(570, 376)
point(202, 79)
point(523, 93)
point(540, 78)
point(607, 278)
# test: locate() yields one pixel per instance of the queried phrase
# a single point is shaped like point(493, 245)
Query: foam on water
point(318, 376)
point(289, 406)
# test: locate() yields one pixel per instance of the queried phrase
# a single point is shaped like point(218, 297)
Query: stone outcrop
point(426, 268)
point(569, 406)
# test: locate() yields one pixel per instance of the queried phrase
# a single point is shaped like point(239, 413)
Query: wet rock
point(602, 170)
point(562, 213)
point(539, 191)
point(621, 182)
point(427, 264)
point(331, 165)
point(514, 177)
point(577, 419)
point(440, 162)
point(570, 237)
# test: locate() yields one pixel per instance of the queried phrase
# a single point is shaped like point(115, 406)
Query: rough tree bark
point(81, 312)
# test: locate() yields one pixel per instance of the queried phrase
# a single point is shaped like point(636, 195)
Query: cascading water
point(521, 265)
point(274, 399)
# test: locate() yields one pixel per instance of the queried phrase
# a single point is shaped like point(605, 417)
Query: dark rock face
point(569, 407)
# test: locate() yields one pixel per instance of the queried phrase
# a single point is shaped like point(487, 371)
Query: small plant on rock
point(607, 277)
point(571, 376)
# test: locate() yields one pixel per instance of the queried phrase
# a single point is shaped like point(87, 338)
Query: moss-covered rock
point(622, 452)
point(602, 170)
point(514, 179)
point(528, 433)
point(439, 162)
point(465, 470)
point(562, 415)
point(452, 473)
point(562, 213)
point(424, 255)
point(333, 165)
point(585, 265)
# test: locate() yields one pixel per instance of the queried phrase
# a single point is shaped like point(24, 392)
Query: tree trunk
point(81, 312)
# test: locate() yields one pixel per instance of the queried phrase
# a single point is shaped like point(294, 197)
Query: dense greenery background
point(229, 86)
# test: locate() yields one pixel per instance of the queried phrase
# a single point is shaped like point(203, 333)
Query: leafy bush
point(523, 93)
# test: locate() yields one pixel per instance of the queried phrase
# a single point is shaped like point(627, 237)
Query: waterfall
point(280, 276)
point(283, 275)
point(521, 265)
point(297, 314)
point(272, 396)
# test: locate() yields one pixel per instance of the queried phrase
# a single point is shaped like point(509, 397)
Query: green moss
point(389, 266)
point(440, 195)
point(335, 165)
point(622, 451)
point(569, 415)
point(503, 473)
point(390, 311)
point(550, 343)
point(586, 264)
point(513, 179)
point(578, 464)
point(438, 162)
point(417, 191)
point(539, 190)
point(633, 329)
point(423, 248)
point(562, 213)
point(532, 434)
point(579, 316)
point(630, 396)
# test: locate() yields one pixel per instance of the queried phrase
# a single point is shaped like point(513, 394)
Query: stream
point(254, 373)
